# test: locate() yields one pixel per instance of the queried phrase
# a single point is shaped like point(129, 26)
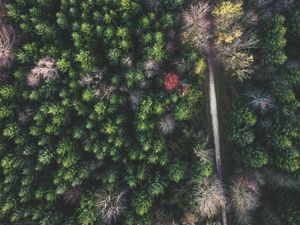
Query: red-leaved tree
point(171, 81)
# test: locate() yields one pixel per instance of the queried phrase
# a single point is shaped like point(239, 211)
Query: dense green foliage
point(104, 119)
point(99, 124)
point(273, 40)
point(266, 127)
point(265, 122)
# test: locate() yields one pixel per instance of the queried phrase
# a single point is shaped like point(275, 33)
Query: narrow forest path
point(210, 54)
point(214, 109)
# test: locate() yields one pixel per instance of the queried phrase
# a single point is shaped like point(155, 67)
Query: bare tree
point(33, 80)
point(46, 67)
point(245, 193)
point(167, 124)
point(202, 151)
point(260, 101)
point(93, 78)
point(104, 91)
point(86, 80)
point(7, 39)
point(44, 70)
point(127, 61)
point(209, 197)
point(151, 67)
point(135, 98)
point(196, 25)
point(251, 17)
point(189, 219)
point(109, 206)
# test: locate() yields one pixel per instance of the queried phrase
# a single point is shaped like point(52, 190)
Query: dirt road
point(210, 53)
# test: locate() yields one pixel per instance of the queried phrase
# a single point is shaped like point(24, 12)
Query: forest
point(149, 112)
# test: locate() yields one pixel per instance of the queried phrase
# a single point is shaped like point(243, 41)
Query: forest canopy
point(107, 112)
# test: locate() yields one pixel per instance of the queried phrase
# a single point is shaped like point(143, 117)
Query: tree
point(233, 39)
point(245, 193)
point(7, 39)
point(209, 197)
point(70, 143)
point(196, 25)
point(110, 205)
point(44, 70)
point(243, 133)
point(273, 41)
point(141, 204)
